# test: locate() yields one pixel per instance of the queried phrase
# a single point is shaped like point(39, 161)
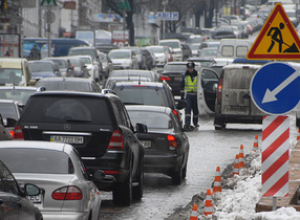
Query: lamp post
point(164, 2)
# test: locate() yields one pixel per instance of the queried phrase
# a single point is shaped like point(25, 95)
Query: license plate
point(146, 144)
point(67, 139)
point(35, 199)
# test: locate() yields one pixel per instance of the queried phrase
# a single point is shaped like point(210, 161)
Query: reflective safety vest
point(190, 86)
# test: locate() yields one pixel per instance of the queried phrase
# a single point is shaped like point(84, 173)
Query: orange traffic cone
point(241, 157)
point(298, 136)
point(194, 215)
point(255, 145)
point(236, 167)
point(217, 183)
point(208, 208)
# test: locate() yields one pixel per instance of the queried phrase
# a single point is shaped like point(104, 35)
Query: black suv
point(149, 93)
point(99, 127)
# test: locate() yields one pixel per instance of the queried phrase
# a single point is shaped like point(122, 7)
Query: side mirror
point(31, 189)
point(141, 128)
point(181, 104)
point(98, 176)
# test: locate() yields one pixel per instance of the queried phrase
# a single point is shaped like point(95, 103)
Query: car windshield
point(82, 52)
point(16, 94)
point(142, 95)
point(170, 44)
point(40, 67)
point(119, 55)
point(10, 76)
point(86, 60)
point(75, 62)
point(8, 110)
point(64, 85)
point(151, 119)
point(157, 49)
point(36, 161)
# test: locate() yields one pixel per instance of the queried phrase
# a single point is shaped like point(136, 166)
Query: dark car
point(166, 145)
point(131, 75)
point(99, 127)
point(68, 83)
point(11, 111)
point(172, 73)
point(4, 132)
point(14, 204)
point(42, 68)
point(105, 48)
point(149, 93)
point(223, 33)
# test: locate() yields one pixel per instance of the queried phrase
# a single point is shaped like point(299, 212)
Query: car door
point(207, 90)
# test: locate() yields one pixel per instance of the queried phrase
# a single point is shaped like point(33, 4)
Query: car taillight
point(67, 193)
point(177, 114)
point(220, 86)
point(167, 78)
point(18, 133)
point(116, 140)
point(12, 133)
point(172, 142)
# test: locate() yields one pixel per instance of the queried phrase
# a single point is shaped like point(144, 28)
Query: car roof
point(126, 72)
point(151, 108)
point(142, 83)
point(68, 93)
point(17, 88)
point(9, 101)
point(45, 145)
point(83, 47)
point(66, 79)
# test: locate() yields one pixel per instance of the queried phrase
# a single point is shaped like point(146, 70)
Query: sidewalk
point(266, 203)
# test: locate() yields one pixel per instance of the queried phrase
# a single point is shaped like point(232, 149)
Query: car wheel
point(177, 177)
point(137, 191)
point(298, 122)
point(122, 193)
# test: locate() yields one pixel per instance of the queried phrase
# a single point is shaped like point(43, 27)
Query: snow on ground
point(237, 201)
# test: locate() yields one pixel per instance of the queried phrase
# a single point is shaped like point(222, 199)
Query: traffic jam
point(100, 121)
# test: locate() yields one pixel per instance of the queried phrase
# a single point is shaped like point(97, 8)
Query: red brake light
point(220, 86)
point(177, 114)
point(167, 78)
point(116, 140)
point(172, 142)
point(67, 193)
point(18, 133)
point(12, 133)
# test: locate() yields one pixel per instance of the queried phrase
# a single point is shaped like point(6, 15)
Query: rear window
point(62, 109)
point(241, 51)
point(170, 44)
point(227, 51)
point(151, 119)
point(177, 68)
point(142, 95)
point(64, 85)
point(10, 76)
point(8, 110)
point(238, 78)
point(36, 161)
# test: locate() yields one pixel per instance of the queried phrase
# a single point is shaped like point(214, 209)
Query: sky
point(239, 203)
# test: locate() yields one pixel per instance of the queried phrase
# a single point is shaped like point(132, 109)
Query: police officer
point(189, 90)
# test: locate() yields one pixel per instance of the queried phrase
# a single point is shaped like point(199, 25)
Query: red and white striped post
point(275, 155)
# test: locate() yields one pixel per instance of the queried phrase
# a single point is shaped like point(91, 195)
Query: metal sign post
point(164, 2)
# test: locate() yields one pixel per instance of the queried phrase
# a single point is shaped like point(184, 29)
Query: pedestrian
point(35, 53)
point(189, 91)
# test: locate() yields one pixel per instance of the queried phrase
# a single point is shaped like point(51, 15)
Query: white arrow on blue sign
point(275, 88)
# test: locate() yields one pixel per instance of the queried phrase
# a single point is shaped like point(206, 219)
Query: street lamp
point(164, 2)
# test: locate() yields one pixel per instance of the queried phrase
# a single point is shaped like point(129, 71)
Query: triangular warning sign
point(277, 40)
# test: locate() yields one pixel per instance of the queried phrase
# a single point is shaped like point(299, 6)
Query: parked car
point(14, 202)
point(43, 68)
point(123, 59)
point(161, 57)
point(130, 75)
point(4, 132)
point(68, 190)
point(165, 142)
point(15, 71)
point(234, 103)
point(99, 127)
point(88, 50)
point(176, 46)
point(149, 93)
point(17, 93)
point(68, 83)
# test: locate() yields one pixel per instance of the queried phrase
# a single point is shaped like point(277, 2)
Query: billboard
point(9, 45)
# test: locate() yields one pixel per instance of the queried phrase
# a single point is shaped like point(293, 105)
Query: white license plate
point(67, 139)
point(147, 144)
point(35, 199)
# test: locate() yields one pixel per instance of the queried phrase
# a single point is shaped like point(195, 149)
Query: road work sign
point(277, 40)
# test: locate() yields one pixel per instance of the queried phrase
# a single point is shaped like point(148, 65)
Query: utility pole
point(164, 2)
point(124, 5)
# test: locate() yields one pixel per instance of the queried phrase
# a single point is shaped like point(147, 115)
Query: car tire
point(298, 122)
point(177, 177)
point(122, 193)
point(137, 191)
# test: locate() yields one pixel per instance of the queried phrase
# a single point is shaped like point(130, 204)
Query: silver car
point(68, 193)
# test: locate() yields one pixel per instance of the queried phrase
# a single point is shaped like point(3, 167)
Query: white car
point(161, 57)
point(69, 192)
point(123, 59)
point(176, 46)
point(92, 67)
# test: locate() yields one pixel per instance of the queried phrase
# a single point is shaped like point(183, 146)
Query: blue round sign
point(275, 88)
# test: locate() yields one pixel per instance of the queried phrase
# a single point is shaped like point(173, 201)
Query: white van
point(230, 49)
point(175, 44)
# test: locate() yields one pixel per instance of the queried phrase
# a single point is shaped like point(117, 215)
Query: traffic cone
point(194, 215)
point(217, 183)
point(298, 136)
point(255, 145)
point(208, 208)
point(236, 167)
point(241, 157)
